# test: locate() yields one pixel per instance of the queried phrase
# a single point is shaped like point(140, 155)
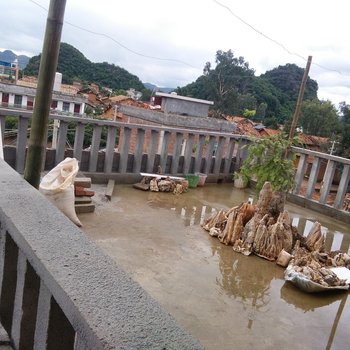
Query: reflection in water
point(309, 302)
point(240, 280)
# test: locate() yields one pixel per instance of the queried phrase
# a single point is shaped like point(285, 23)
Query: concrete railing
point(59, 291)
point(178, 149)
point(321, 183)
point(133, 148)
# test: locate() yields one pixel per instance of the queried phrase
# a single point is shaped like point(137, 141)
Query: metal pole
point(47, 70)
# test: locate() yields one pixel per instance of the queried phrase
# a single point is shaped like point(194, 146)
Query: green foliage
point(74, 66)
point(11, 123)
point(119, 92)
point(344, 135)
point(249, 113)
point(233, 87)
point(287, 80)
point(266, 161)
point(228, 84)
point(146, 95)
point(319, 118)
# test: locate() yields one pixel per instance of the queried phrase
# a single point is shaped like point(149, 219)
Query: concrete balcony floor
point(223, 298)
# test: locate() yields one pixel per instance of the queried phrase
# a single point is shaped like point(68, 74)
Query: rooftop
point(183, 98)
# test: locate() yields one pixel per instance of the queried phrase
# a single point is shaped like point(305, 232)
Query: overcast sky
point(189, 32)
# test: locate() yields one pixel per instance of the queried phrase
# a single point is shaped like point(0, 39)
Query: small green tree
point(266, 161)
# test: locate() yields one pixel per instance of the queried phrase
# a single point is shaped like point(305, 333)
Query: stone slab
point(84, 208)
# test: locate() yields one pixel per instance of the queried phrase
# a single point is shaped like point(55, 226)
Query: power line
point(119, 43)
point(186, 63)
point(271, 39)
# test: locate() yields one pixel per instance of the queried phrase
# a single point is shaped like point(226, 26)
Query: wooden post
point(300, 99)
point(47, 70)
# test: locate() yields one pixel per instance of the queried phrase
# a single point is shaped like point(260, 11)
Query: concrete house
point(183, 105)
point(65, 98)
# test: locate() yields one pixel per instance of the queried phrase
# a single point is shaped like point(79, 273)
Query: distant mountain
point(9, 56)
point(74, 66)
point(152, 87)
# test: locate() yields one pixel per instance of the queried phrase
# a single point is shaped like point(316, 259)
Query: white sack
point(58, 187)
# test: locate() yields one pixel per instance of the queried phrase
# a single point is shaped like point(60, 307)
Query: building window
point(65, 106)
point(54, 104)
point(18, 100)
point(76, 107)
point(5, 98)
point(30, 102)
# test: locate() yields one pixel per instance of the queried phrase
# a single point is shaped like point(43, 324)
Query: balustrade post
point(152, 151)
point(9, 281)
point(218, 155)
point(25, 306)
point(313, 178)
point(42, 320)
point(240, 153)
point(164, 151)
point(209, 157)
point(176, 153)
point(327, 181)
point(124, 153)
point(61, 145)
point(79, 141)
point(188, 154)
point(95, 147)
point(299, 177)
point(21, 143)
point(139, 150)
point(199, 153)
point(343, 187)
point(229, 155)
point(111, 135)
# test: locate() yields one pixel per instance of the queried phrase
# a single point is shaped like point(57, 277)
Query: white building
point(22, 95)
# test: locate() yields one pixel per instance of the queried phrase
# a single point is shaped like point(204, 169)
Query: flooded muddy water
point(226, 300)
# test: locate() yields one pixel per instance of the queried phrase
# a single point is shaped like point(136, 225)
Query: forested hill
point(236, 90)
point(74, 66)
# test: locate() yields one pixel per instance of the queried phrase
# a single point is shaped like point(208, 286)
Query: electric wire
point(119, 43)
point(281, 45)
point(271, 39)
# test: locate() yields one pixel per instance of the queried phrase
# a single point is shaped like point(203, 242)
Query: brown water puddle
point(225, 299)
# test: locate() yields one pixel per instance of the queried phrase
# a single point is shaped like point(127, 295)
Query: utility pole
point(47, 70)
point(300, 99)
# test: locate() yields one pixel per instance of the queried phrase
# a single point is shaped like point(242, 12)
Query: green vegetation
point(234, 88)
point(266, 161)
point(74, 66)
point(344, 135)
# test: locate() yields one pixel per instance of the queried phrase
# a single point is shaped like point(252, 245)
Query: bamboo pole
point(47, 70)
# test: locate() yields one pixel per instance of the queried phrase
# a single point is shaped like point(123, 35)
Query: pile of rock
point(162, 184)
point(265, 230)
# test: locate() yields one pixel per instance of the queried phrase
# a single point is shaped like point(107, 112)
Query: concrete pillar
point(24, 101)
point(82, 108)
point(11, 99)
point(59, 106)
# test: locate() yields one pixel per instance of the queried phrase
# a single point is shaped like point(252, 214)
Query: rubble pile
point(313, 270)
point(161, 184)
point(265, 230)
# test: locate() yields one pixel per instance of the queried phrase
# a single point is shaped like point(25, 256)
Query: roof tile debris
point(247, 127)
